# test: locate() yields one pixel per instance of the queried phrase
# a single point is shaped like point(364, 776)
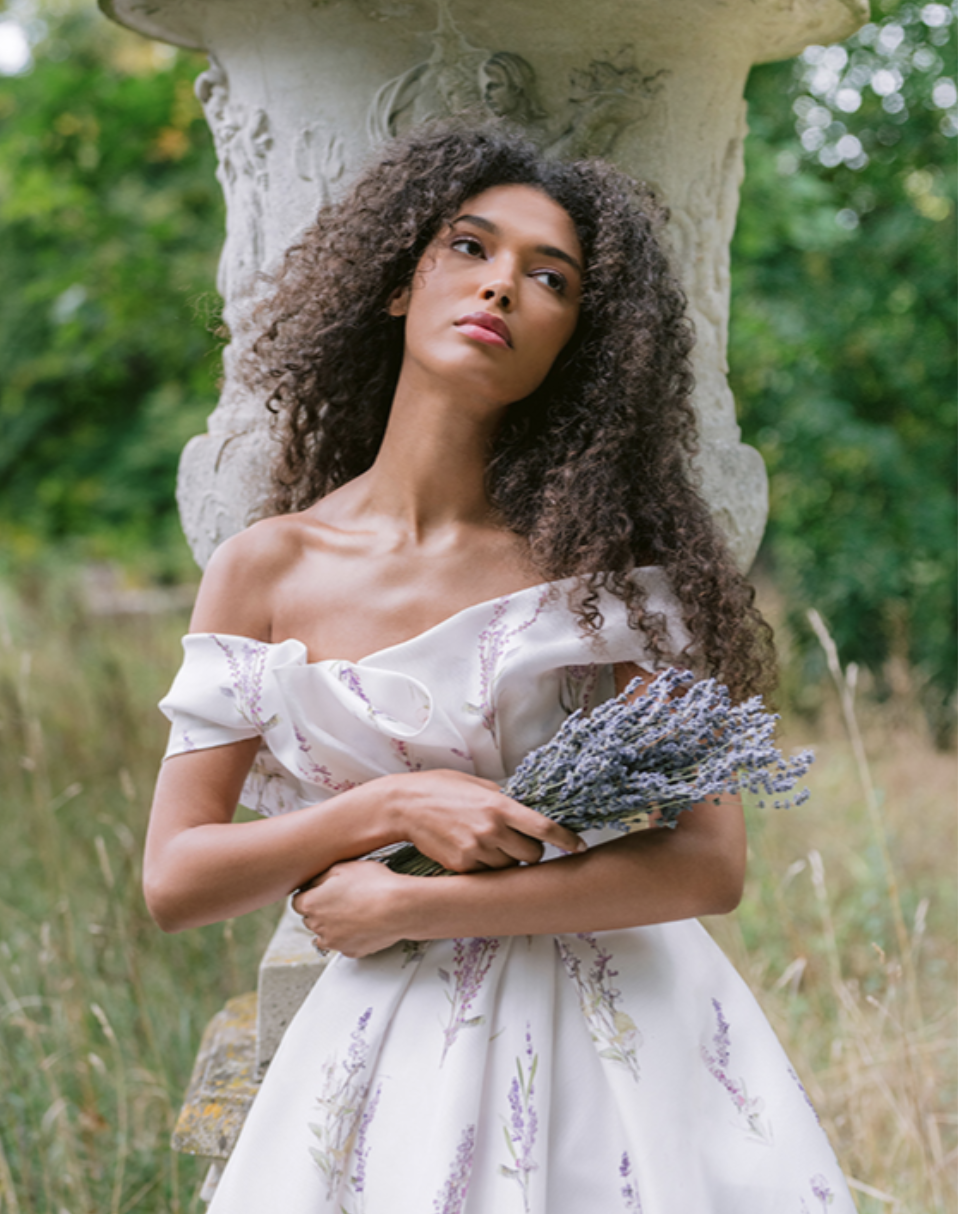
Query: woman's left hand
point(351, 907)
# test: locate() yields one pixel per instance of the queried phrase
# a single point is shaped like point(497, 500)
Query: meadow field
point(846, 932)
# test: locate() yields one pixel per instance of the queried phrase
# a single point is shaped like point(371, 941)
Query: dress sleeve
point(224, 691)
point(553, 667)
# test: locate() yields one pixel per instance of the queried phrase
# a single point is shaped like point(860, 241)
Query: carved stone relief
point(319, 156)
point(702, 222)
point(604, 98)
point(243, 141)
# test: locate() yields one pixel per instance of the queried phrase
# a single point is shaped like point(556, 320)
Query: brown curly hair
point(593, 468)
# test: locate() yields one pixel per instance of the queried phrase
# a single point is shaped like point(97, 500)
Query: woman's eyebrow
point(547, 250)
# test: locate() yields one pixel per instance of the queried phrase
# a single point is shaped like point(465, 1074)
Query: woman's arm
point(649, 877)
point(201, 867)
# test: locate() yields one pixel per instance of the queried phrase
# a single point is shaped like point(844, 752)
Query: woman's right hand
point(467, 824)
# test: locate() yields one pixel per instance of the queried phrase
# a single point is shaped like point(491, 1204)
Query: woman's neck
point(430, 473)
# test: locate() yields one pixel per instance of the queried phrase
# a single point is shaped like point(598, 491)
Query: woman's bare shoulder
point(239, 586)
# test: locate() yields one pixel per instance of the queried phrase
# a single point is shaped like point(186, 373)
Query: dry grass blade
point(845, 685)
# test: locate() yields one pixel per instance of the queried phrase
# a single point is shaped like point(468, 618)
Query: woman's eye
point(468, 245)
point(552, 278)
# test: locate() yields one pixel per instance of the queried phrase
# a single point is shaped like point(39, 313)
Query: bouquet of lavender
point(634, 761)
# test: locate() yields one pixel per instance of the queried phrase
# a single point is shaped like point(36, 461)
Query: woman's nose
point(499, 292)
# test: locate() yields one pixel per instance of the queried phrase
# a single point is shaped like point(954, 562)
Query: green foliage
point(842, 337)
point(110, 223)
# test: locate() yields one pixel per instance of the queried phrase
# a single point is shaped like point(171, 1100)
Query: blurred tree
point(110, 225)
point(842, 336)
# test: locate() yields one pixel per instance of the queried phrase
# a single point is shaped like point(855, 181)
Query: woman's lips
point(483, 326)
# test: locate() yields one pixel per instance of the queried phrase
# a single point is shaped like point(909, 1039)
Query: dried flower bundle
point(634, 762)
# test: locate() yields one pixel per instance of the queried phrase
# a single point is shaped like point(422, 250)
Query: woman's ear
point(398, 302)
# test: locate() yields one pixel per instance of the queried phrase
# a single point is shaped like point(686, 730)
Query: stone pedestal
point(300, 92)
point(287, 972)
point(238, 1045)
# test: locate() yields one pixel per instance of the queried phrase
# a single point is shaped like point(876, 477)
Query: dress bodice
point(474, 693)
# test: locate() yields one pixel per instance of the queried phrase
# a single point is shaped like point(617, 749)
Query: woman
point(480, 366)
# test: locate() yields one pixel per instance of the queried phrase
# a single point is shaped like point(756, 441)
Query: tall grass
point(100, 1014)
point(847, 936)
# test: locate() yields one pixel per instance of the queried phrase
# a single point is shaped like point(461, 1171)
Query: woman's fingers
point(521, 847)
point(466, 822)
point(538, 826)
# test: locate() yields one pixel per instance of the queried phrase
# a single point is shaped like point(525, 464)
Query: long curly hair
point(593, 468)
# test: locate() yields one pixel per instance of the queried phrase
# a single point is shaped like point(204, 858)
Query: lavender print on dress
point(494, 640)
point(472, 958)
point(805, 1095)
point(318, 773)
point(266, 790)
point(578, 688)
point(246, 663)
point(452, 1197)
point(347, 675)
point(611, 1028)
point(749, 1109)
point(822, 1191)
point(520, 1129)
point(630, 1194)
point(357, 1178)
point(402, 752)
point(347, 1111)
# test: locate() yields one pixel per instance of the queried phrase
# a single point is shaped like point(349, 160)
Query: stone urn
point(300, 93)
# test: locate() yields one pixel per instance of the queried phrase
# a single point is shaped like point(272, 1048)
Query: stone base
point(238, 1045)
point(289, 968)
point(223, 1083)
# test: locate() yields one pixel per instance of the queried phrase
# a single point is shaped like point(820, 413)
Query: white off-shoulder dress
point(572, 1074)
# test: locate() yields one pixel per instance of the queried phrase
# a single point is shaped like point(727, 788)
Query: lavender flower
point(630, 1194)
point(748, 1108)
point(822, 1191)
point(452, 1198)
point(360, 1154)
point(613, 1029)
point(494, 641)
point(346, 1112)
point(633, 763)
point(523, 1124)
point(318, 773)
point(246, 678)
point(472, 959)
point(805, 1095)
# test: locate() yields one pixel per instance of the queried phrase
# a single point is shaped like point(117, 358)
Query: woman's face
point(495, 297)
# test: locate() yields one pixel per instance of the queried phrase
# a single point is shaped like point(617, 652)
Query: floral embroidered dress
point(575, 1074)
